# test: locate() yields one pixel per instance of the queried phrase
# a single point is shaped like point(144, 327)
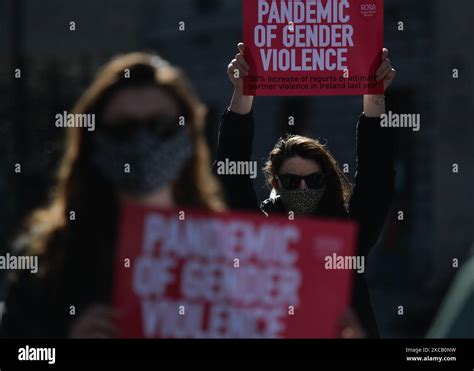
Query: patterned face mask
point(154, 161)
point(301, 201)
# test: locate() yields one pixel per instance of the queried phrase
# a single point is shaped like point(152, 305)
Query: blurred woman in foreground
point(140, 151)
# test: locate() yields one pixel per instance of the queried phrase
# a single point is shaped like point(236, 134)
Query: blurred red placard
point(195, 274)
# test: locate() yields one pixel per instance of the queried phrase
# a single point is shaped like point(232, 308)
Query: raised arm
point(374, 180)
point(237, 69)
point(235, 139)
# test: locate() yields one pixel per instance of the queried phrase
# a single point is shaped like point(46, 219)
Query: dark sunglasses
point(163, 127)
point(291, 181)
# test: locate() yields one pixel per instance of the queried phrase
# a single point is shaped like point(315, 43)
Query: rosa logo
point(368, 9)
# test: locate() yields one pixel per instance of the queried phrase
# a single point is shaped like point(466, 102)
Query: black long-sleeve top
point(368, 206)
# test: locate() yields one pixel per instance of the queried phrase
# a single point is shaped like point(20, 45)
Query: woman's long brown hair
point(81, 190)
point(338, 189)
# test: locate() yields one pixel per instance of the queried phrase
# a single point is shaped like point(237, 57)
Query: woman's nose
point(303, 184)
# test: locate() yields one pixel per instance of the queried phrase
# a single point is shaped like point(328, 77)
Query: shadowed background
point(412, 266)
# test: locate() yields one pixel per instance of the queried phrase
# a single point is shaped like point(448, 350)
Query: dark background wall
point(412, 264)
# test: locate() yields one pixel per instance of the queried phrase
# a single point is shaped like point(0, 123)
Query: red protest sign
point(194, 274)
point(313, 47)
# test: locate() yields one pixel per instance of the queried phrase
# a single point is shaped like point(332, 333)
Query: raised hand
point(374, 105)
point(386, 72)
point(237, 69)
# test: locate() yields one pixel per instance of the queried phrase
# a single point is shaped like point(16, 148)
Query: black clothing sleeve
point(368, 206)
point(29, 312)
point(374, 181)
point(235, 144)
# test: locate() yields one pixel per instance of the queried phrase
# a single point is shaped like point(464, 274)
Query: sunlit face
point(299, 166)
point(139, 104)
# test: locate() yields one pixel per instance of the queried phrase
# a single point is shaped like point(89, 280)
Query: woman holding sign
point(304, 177)
point(148, 148)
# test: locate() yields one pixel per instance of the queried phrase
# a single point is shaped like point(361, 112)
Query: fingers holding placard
point(386, 72)
point(238, 68)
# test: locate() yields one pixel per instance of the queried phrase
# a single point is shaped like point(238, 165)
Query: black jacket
point(369, 204)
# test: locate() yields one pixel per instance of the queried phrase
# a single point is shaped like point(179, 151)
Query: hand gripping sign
point(313, 47)
point(195, 274)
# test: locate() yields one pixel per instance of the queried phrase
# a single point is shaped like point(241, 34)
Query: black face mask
point(301, 201)
point(155, 152)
